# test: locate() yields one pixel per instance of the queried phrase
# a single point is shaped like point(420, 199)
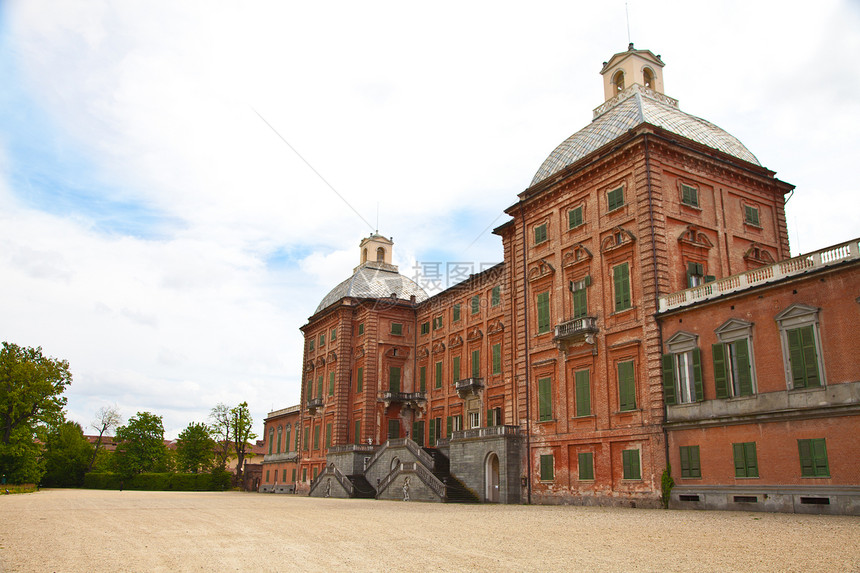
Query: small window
point(361, 329)
point(476, 363)
point(322, 340)
point(425, 327)
point(690, 467)
point(438, 375)
point(394, 379)
point(497, 358)
point(546, 467)
point(359, 379)
point(422, 379)
point(574, 218)
point(437, 322)
point(618, 81)
point(455, 369)
point(630, 462)
point(476, 304)
point(689, 195)
point(474, 419)
point(580, 297)
point(621, 285)
point(331, 383)
point(496, 296)
point(751, 216)
point(380, 255)
point(455, 313)
point(586, 465)
point(540, 234)
point(311, 344)
point(615, 199)
point(543, 317)
point(813, 458)
point(648, 78)
point(333, 335)
point(746, 462)
point(396, 329)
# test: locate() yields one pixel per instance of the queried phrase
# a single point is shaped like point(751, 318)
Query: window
point(307, 434)
point(396, 329)
point(574, 218)
point(304, 474)
point(580, 297)
point(615, 199)
point(361, 329)
point(540, 233)
point(316, 471)
point(328, 435)
point(271, 439)
point(294, 476)
point(626, 386)
point(280, 435)
point(359, 379)
point(682, 374)
point(751, 216)
point(813, 458)
point(494, 417)
point(437, 322)
point(690, 467)
point(435, 431)
point(630, 463)
point(544, 399)
point(287, 440)
point(267, 476)
point(476, 364)
point(798, 325)
point(732, 371)
point(422, 379)
point(746, 465)
point(333, 335)
point(394, 379)
point(311, 344)
point(425, 327)
point(322, 340)
point(546, 467)
point(357, 437)
point(320, 386)
point(474, 419)
point(689, 195)
point(456, 369)
point(543, 312)
point(586, 465)
point(476, 304)
point(497, 358)
point(455, 313)
point(496, 296)
point(618, 81)
point(418, 432)
point(583, 393)
point(455, 424)
point(331, 383)
point(316, 437)
point(621, 283)
point(438, 377)
point(297, 438)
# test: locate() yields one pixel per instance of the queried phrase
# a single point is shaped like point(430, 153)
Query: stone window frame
point(799, 315)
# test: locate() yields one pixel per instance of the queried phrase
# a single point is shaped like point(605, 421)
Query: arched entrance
point(491, 493)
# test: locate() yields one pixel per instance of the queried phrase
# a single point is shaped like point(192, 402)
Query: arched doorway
point(491, 493)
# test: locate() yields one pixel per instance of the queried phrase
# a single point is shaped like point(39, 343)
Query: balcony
point(315, 404)
point(468, 386)
point(575, 331)
point(414, 400)
point(282, 457)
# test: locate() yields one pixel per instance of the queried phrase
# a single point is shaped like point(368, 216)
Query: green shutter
point(476, 364)
point(476, 304)
point(580, 303)
point(546, 467)
point(456, 369)
point(394, 379)
point(626, 386)
point(621, 282)
point(669, 379)
point(331, 383)
point(697, 375)
point(456, 312)
point(819, 454)
point(545, 399)
point(574, 218)
point(540, 233)
point(751, 459)
point(310, 391)
point(740, 465)
point(497, 358)
point(449, 427)
point(803, 357)
point(583, 393)
point(543, 312)
point(361, 329)
point(333, 334)
point(357, 437)
point(328, 435)
point(432, 437)
point(720, 378)
point(396, 328)
point(496, 297)
point(320, 386)
point(359, 385)
point(438, 374)
point(586, 465)
point(807, 465)
point(306, 434)
point(685, 461)
point(630, 461)
point(813, 458)
point(316, 437)
point(422, 379)
point(744, 369)
point(415, 431)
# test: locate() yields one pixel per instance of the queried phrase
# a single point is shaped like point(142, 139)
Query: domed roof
point(374, 280)
point(630, 108)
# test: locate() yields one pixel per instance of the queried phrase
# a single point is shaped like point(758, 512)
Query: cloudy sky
point(156, 232)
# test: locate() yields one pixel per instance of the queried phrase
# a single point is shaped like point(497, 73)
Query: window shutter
point(621, 280)
point(720, 378)
point(740, 466)
point(476, 304)
point(320, 386)
point(580, 303)
point(476, 363)
point(328, 435)
point(357, 437)
point(432, 425)
point(669, 379)
point(497, 358)
point(810, 358)
point(422, 379)
point(394, 379)
point(456, 312)
point(583, 393)
point(685, 461)
point(456, 369)
point(695, 464)
point(543, 312)
point(819, 455)
point(438, 374)
point(331, 383)
point(744, 369)
point(751, 459)
point(496, 297)
point(545, 399)
point(415, 431)
point(626, 465)
point(546, 467)
point(359, 385)
point(449, 427)
point(490, 417)
point(626, 386)
point(807, 466)
point(697, 375)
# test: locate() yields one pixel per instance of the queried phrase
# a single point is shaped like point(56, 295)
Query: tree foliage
point(195, 449)
point(232, 428)
point(140, 446)
point(31, 388)
point(67, 456)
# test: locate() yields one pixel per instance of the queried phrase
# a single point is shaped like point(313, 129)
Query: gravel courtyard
point(87, 530)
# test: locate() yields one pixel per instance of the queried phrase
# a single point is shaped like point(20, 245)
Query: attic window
point(618, 81)
point(648, 78)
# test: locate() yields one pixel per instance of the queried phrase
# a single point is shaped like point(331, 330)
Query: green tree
point(232, 428)
point(67, 455)
point(31, 387)
point(140, 446)
point(195, 449)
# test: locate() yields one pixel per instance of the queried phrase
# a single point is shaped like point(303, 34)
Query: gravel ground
point(88, 530)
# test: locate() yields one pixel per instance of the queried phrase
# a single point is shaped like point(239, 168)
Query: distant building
point(578, 368)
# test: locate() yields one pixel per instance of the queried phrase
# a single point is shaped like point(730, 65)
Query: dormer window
point(618, 81)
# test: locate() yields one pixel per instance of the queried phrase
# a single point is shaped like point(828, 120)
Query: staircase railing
point(422, 472)
point(416, 451)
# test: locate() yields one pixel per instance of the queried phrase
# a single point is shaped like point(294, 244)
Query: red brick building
point(542, 379)
point(279, 471)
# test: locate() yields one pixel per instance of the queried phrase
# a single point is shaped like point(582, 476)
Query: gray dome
point(374, 280)
point(632, 107)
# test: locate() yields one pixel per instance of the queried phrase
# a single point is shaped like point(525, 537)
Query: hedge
point(215, 481)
